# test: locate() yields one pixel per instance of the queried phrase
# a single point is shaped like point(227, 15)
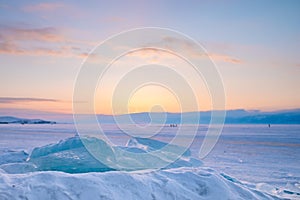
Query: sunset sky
point(255, 44)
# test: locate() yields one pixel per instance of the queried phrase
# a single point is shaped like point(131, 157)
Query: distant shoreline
point(239, 116)
point(23, 121)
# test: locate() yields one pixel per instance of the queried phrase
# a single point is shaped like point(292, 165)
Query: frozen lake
point(254, 154)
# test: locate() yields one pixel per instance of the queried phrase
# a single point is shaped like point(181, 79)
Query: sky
point(254, 44)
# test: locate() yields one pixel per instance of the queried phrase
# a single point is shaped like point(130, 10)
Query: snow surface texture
point(182, 183)
point(42, 176)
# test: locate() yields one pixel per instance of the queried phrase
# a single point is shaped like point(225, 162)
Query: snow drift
point(183, 183)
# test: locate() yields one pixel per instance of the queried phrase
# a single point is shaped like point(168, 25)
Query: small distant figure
point(173, 125)
point(269, 125)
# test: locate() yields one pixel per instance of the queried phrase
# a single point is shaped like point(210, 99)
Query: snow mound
point(183, 183)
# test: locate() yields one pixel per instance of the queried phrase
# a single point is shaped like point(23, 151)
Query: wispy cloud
point(224, 58)
point(181, 44)
point(191, 48)
point(46, 41)
point(11, 100)
point(174, 43)
point(44, 7)
point(46, 34)
point(59, 52)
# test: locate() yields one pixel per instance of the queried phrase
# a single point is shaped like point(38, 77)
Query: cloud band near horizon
point(10, 100)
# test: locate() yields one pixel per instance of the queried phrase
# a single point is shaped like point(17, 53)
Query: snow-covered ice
point(42, 167)
point(69, 155)
point(176, 181)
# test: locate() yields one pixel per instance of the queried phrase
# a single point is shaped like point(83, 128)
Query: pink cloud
point(190, 47)
point(38, 41)
point(224, 58)
point(12, 49)
point(48, 34)
point(12, 42)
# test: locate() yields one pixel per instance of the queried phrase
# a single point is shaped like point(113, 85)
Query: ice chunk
point(170, 156)
point(13, 157)
point(71, 156)
point(88, 154)
point(149, 145)
point(131, 159)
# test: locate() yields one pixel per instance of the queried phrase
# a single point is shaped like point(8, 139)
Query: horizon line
point(42, 112)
